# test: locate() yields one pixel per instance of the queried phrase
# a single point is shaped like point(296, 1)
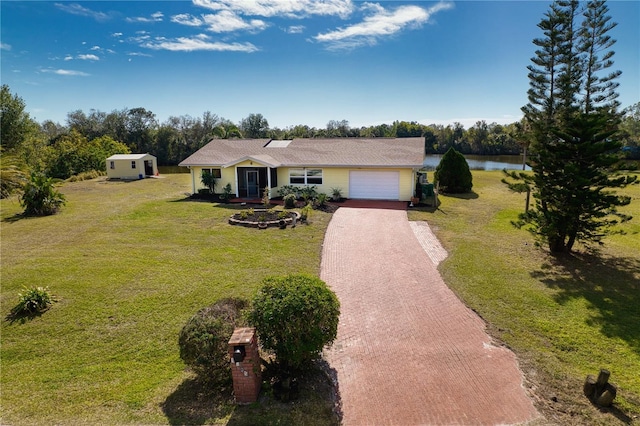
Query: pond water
point(482, 162)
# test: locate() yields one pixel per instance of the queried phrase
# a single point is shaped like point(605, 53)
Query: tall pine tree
point(599, 91)
point(572, 112)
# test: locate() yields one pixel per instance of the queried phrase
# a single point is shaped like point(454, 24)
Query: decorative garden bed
point(263, 218)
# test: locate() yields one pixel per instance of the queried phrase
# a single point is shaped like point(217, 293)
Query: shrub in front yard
point(288, 189)
point(92, 174)
point(321, 200)
point(309, 193)
point(40, 198)
point(226, 193)
point(32, 301)
point(295, 317)
point(289, 201)
point(204, 338)
point(209, 180)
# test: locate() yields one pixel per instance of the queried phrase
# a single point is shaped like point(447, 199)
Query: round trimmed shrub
point(295, 317)
point(204, 340)
point(453, 173)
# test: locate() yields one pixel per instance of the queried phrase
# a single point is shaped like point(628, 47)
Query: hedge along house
point(379, 168)
point(131, 166)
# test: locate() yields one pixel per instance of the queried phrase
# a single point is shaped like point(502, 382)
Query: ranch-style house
point(376, 168)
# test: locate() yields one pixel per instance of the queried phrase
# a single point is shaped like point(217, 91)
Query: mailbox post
point(245, 365)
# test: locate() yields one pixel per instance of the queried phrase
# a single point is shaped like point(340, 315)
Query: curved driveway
point(409, 352)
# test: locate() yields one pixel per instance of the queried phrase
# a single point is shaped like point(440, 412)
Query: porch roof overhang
point(264, 160)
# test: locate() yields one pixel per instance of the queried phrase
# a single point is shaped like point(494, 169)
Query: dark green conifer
point(453, 174)
point(572, 114)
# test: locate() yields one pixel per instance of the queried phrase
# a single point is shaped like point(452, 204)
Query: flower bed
point(262, 218)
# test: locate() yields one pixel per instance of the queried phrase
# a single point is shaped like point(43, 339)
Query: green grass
point(564, 317)
point(129, 263)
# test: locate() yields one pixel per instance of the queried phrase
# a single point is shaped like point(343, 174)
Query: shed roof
point(343, 152)
point(129, 156)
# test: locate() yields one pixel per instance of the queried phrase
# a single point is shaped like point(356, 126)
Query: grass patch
point(129, 263)
point(564, 317)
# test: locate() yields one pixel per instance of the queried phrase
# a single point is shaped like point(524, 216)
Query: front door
point(253, 186)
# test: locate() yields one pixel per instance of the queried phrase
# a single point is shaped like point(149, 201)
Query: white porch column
point(269, 181)
point(235, 168)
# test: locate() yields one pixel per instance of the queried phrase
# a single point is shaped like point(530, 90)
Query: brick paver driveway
point(408, 351)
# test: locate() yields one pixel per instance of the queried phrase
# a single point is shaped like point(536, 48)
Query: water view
point(476, 162)
point(482, 162)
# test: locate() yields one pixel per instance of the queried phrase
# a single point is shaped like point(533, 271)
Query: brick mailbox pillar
point(245, 365)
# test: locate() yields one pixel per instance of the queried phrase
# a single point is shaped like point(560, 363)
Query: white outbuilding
point(131, 166)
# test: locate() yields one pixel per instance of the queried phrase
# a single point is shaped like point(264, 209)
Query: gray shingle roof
point(344, 152)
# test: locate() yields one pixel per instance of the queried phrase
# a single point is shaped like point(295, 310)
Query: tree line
point(87, 138)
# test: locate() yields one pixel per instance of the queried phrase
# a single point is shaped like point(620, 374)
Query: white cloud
point(286, 8)
point(5, 46)
point(380, 23)
point(223, 22)
point(295, 29)
point(186, 19)
point(98, 48)
point(227, 21)
point(116, 35)
point(76, 9)
point(373, 7)
point(199, 42)
point(88, 57)
point(65, 72)
point(155, 17)
point(141, 37)
point(146, 55)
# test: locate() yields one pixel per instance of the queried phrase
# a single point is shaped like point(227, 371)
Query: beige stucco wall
point(335, 177)
point(332, 177)
point(227, 175)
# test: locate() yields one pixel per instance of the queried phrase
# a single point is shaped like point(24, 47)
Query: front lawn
point(564, 317)
point(130, 263)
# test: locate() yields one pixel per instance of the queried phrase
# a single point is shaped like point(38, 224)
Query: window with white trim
point(133, 164)
point(217, 173)
point(305, 176)
point(112, 165)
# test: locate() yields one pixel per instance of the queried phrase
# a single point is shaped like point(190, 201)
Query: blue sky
point(293, 61)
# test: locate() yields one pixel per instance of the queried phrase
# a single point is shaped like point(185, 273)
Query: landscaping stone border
point(269, 223)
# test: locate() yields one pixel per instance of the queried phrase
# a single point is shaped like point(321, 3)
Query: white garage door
point(374, 185)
